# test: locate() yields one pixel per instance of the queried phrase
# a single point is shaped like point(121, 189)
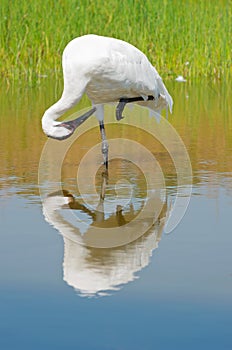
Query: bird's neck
point(48, 120)
point(52, 114)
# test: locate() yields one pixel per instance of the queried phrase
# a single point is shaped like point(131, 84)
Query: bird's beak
point(73, 124)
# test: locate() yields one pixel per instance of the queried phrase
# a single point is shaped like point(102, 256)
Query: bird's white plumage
point(106, 69)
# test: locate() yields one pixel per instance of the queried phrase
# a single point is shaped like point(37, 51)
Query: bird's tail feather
point(164, 93)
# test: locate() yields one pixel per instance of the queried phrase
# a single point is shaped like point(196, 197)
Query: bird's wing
point(133, 68)
point(111, 69)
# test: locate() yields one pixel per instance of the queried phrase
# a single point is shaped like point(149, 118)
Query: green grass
point(33, 34)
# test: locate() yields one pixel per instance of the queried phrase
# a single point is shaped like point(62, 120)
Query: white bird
point(107, 70)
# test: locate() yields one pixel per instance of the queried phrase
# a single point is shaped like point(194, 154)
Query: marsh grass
point(191, 38)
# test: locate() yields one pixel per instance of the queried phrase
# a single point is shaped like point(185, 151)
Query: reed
point(189, 37)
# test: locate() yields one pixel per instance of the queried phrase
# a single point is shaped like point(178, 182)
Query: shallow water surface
point(81, 271)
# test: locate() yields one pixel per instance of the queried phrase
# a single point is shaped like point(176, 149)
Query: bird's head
point(58, 130)
point(63, 130)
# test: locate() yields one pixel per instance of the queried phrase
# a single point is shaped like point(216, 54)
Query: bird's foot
point(119, 117)
point(119, 109)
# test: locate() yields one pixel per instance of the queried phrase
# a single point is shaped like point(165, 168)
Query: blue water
point(181, 300)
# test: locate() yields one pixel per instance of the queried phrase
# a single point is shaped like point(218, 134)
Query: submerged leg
point(105, 145)
point(103, 184)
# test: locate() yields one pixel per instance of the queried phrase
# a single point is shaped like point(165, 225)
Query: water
point(63, 285)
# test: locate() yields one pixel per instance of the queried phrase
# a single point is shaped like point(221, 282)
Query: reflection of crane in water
point(107, 70)
point(98, 215)
point(95, 270)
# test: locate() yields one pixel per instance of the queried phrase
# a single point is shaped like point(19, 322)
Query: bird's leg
point(123, 101)
point(119, 109)
point(103, 184)
point(105, 145)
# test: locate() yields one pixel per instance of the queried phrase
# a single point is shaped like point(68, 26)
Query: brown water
point(202, 117)
point(188, 273)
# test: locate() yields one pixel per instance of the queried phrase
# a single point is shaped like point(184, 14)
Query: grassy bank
point(33, 34)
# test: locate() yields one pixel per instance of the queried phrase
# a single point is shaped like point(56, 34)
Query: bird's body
point(107, 70)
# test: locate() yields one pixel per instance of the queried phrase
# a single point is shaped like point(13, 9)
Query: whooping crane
point(107, 70)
